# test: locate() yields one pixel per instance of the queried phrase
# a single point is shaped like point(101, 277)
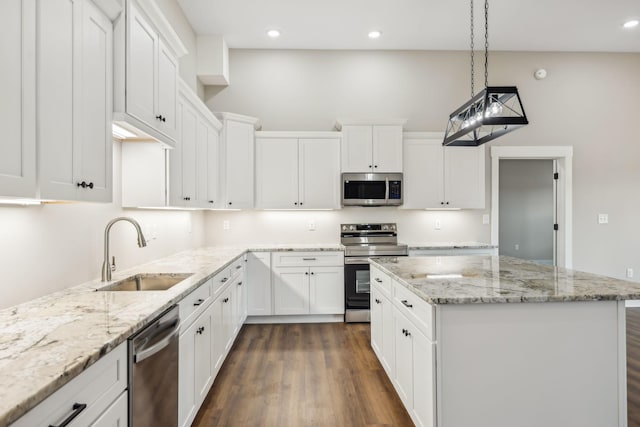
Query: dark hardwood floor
point(633, 367)
point(302, 375)
point(327, 375)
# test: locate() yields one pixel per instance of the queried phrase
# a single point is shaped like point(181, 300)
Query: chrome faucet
point(142, 242)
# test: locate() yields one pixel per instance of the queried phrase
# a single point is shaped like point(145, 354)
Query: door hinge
point(555, 175)
point(555, 227)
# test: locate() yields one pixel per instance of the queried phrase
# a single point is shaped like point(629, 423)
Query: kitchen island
point(501, 342)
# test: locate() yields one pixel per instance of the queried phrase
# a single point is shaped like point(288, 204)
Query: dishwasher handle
point(171, 333)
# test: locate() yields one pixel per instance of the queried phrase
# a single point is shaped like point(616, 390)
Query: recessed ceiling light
point(631, 24)
point(375, 34)
point(274, 34)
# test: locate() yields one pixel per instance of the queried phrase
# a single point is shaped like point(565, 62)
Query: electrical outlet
point(438, 225)
point(603, 218)
point(485, 219)
point(226, 225)
point(312, 225)
point(629, 273)
point(516, 247)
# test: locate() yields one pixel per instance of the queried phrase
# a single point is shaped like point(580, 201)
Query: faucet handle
point(113, 263)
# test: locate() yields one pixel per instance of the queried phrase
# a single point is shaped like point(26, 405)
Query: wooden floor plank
point(302, 375)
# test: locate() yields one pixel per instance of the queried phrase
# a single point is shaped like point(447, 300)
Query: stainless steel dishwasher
point(153, 373)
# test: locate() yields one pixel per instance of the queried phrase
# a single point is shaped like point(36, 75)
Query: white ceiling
point(523, 25)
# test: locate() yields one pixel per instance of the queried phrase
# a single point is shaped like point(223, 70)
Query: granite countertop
point(46, 342)
point(500, 279)
point(451, 245)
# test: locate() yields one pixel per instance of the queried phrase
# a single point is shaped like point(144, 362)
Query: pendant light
point(491, 113)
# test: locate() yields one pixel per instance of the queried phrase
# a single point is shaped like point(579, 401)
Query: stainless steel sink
point(148, 282)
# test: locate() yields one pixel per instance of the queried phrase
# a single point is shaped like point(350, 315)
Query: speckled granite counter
point(492, 279)
point(450, 245)
point(46, 342)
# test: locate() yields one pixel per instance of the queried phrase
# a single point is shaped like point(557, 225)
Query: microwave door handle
point(386, 190)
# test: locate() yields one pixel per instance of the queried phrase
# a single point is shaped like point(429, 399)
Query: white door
point(387, 148)
point(464, 177)
point(423, 173)
point(356, 149)
point(186, 376)
point(404, 359)
point(277, 173)
point(326, 290)
point(202, 162)
point(213, 167)
point(239, 148)
point(424, 382)
point(388, 337)
point(95, 108)
point(142, 76)
point(259, 284)
point(18, 100)
point(167, 90)
point(319, 173)
point(58, 73)
point(376, 321)
point(228, 317)
point(117, 415)
point(202, 356)
point(219, 339)
point(291, 290)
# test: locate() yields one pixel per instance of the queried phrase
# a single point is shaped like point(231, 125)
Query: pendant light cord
point(486, 43)
point(472, 61)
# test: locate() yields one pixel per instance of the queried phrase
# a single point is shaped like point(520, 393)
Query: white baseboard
point(632, 303)
point(304, 318)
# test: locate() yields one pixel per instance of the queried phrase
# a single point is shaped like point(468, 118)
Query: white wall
point(588, 100)
point(51, 247)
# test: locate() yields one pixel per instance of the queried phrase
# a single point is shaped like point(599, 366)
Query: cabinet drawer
point(219, 281)
point(298, 259)
point(236, 266)
point(193, 304)
point(416, 309)
point(381, 279)
point(97, 387)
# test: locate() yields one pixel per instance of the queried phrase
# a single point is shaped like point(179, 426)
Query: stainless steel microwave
point(371, 189)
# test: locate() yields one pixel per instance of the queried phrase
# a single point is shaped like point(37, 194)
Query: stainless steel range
point(363, 241)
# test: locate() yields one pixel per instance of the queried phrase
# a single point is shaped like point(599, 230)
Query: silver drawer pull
point(308, 259)
point(198, 302)
point(377, 279)
point(77, 408)
point(406, 303)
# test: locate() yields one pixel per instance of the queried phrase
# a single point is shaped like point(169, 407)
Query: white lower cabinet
point(308, 290)
point(93, 398)
point(326, 290)
point(258, 278)
point(382, 329)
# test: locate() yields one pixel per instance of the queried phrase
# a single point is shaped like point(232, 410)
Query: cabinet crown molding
point(239, 118)
point(153, 12)
point(369, 122)
point(185, 90)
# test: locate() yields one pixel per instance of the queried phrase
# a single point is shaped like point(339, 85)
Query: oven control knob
point(344, 228)
point(393, 227)
point(385, 227)
point(352, 227)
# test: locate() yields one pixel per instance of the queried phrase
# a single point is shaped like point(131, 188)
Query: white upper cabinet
point(193, 163)
point(368, 147)
point(237, 159)
point(18, 101)
point(74, 108)
point(146, 71)
point(442, 177)
point(297, 170)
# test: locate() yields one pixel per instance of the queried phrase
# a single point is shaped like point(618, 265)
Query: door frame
point(563, 155)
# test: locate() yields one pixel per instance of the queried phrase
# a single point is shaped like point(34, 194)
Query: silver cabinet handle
point(406, 303)
point(308, 259)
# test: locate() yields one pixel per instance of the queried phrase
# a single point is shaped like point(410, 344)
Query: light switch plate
point(312, 225)
point(226, 225)
point(485, 219)
point(438, 224)
point(603, 218)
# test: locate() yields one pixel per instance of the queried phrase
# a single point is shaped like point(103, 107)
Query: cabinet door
point(259, 284)
point(464, 180)
point(202, 357)
point(424, 381)
point(213, 168)
point(202, 162)
point(58, 36)
point(142, 78)
point(186, 377)
point(167, 90)
point(228, 317)
point(239, 164)
point(240, 304)
point(18, 100)
point(376, 321)
point(423, 174)
point(319, 173)
point(356, 149)
point(219, 339)
point(291, 290)
point(117, 415)
point(182, 162)
point(326, 290)
point(277, 173)
point(404, 359)
point(387, 148)
point(94, 109)
point(388, 337)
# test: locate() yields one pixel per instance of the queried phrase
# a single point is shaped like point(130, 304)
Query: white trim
point(297, 134)
point(222, 116)
point(372, 122)
point(164, 27)
point(303, 318)
point(564, 157)
point(622, 364)
point(192, 98)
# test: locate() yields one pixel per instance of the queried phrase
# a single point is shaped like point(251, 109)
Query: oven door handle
point(356, 260)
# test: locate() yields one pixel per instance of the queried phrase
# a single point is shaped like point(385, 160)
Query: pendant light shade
point(491, 113)
point(494, 111)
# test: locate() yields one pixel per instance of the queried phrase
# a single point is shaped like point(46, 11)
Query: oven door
point(356, 282)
